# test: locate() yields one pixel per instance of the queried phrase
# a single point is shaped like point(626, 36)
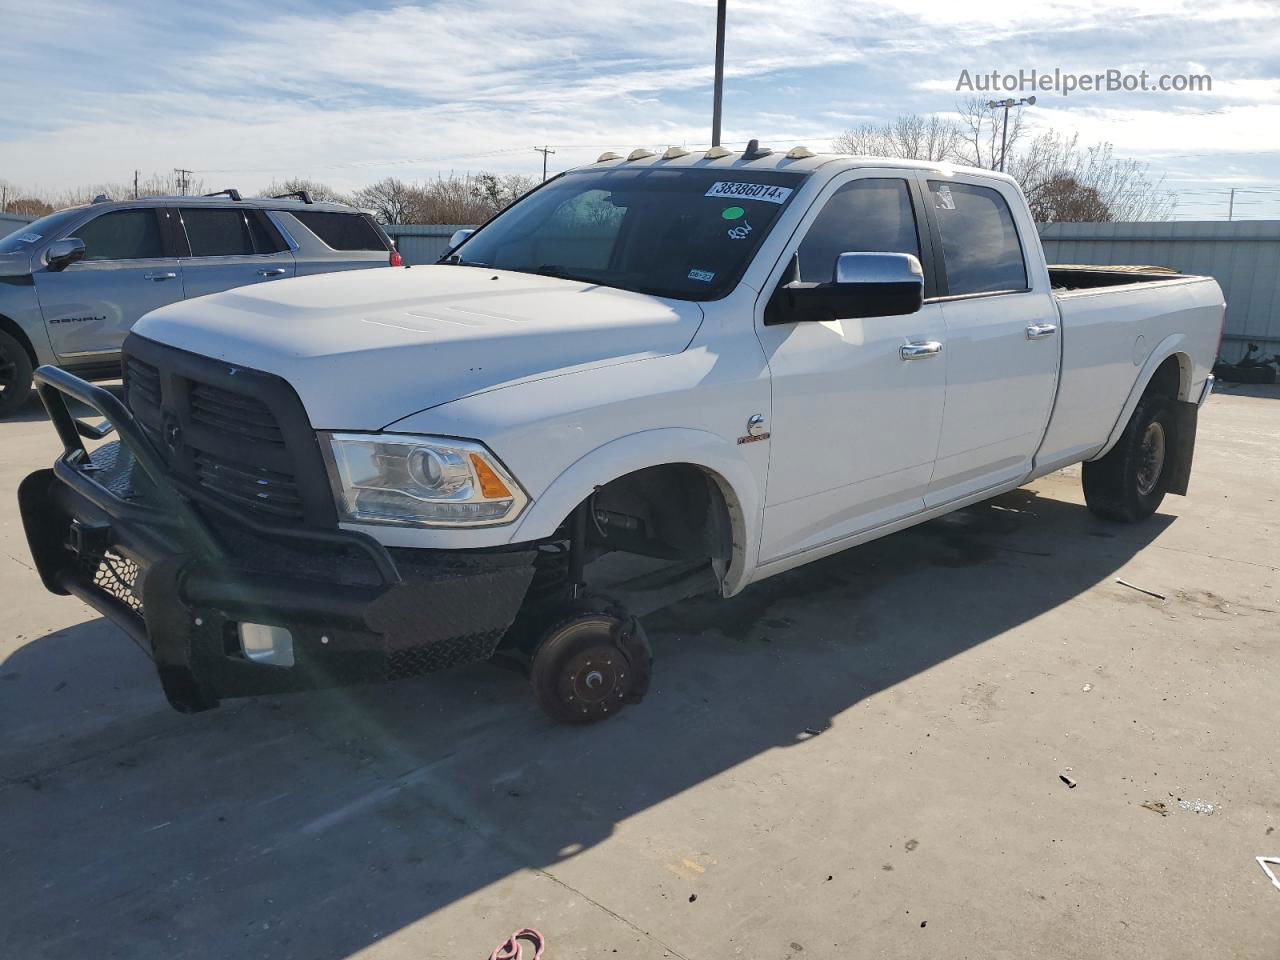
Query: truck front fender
point(718, 458)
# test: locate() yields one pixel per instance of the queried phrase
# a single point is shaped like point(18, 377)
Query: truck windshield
point(683, 233)
point(32, 233)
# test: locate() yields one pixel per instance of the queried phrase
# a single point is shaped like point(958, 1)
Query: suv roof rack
point(233, 194)
point(294, 195)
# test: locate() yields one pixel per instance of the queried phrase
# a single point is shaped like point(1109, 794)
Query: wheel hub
point(1151, 454)
point(595, 680)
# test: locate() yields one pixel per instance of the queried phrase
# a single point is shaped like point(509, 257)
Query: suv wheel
point(15, 375)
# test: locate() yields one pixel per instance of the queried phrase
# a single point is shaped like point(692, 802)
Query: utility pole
point(135, 184)
point(544, 151)
point(1004, 129)
point(718, 95)
point(1231, 205)
point(4, 198)
point(184, 179)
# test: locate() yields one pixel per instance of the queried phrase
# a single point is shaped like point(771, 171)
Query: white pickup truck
point(731, 362)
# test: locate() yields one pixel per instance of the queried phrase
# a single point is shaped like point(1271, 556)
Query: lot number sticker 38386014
point(739, 190)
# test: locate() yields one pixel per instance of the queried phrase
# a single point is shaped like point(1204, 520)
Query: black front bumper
point(180, 574)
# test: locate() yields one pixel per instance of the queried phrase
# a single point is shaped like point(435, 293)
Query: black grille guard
point(175, 510)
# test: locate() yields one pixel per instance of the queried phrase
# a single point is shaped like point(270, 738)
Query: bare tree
point(32, 207)
point(981, 134)
point(909, 137)
point(390, 200)
point(1064, 181)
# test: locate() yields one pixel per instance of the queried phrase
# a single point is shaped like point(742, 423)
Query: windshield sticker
point(740, 232)
point(29, 237)
point(942, 199)
point(706, 276)
point(739, 190)
point(732, 213)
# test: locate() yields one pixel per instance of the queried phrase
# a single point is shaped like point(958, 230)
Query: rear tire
point(1129, 483)
point(15, 375)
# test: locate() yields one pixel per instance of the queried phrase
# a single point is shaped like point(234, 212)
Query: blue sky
point(244, 92)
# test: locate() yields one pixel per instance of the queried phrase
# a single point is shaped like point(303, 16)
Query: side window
point(122, 235)
point(865, 216)
point(341, 231)
point(979, 241)
point(223, 232)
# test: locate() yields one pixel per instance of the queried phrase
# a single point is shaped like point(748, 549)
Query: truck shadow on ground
point(313, 825)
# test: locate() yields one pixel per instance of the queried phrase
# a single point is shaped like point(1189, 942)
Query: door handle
point(1038, 331)
point(273, 272)
point(918, 349)
point(157, 277)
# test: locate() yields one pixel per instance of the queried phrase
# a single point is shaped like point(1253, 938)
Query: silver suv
point(74, 282)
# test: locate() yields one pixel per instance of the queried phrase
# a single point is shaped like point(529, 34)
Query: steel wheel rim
point(1151, 457)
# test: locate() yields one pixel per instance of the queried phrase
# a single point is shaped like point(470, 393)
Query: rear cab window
point(229, 232)
point(342, 231)
point(980, 248)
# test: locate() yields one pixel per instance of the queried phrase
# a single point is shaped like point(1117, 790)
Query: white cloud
point(253, 92)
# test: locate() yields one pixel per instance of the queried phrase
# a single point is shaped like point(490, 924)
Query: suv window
point(342, 231)
point(226, 232)
point(865, 216)
point(979, 241)
point(122, 235)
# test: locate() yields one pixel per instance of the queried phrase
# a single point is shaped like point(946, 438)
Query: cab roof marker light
point(715, 153)
point(674, 153)
point(609, 155)
point(639, 153)
point(800, 152)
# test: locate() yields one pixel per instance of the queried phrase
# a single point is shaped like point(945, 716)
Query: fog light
point(267, 644)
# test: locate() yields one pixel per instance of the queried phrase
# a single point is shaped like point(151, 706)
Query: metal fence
point(1244, 258)
point(422, 243)
point(10, 222)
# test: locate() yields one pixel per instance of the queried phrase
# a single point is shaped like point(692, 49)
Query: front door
point(855, 418)
point(90, 305)
point(1003, 342)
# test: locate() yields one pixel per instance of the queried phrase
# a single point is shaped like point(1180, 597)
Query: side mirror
point(62, 253)
point(459, 236)
point(864, 285)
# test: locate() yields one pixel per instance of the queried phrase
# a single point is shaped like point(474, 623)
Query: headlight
point(389, 478)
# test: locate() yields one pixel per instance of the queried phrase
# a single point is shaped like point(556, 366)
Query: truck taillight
point(396, 259)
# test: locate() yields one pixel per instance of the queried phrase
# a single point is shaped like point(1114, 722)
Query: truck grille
point(239, 436)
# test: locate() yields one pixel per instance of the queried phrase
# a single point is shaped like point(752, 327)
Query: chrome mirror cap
point(879, 268)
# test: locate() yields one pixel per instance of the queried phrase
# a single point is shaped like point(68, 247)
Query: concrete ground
point(860, 758)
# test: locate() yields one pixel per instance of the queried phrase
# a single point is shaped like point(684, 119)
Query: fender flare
point(1166, 348)
point(654, 448)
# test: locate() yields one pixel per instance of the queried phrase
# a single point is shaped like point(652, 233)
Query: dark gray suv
point(74, 282)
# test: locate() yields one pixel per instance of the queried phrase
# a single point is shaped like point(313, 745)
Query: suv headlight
point(428, 481)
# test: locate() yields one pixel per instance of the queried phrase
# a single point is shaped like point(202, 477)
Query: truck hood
point(366, 348)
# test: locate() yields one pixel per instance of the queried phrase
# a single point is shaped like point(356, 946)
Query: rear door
point(336, 240)
point(230, 246)
point(1003, 343)
point(128, 269)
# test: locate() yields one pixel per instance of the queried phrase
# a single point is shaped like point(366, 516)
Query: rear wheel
point(590, 664)
point(1129, 483)
point(15, 375)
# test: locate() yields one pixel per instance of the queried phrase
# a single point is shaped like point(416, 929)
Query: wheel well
point(675, 511)
point(1171, 379)
point(15, 331)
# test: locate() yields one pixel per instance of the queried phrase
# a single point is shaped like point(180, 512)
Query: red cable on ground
point(513, 949)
